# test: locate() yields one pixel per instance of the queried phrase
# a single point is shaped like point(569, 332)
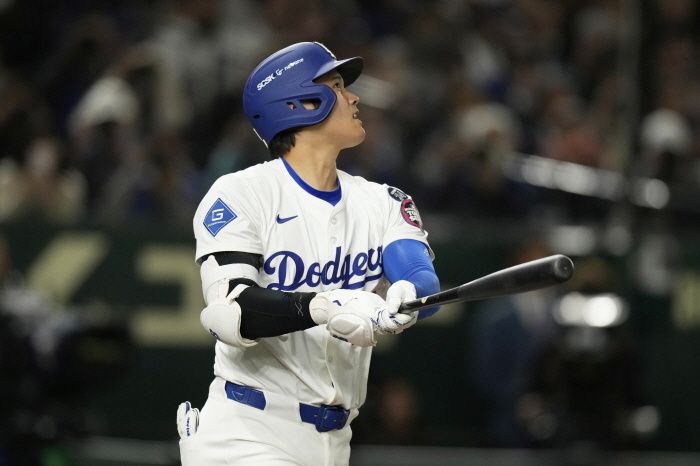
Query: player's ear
point(311, 104)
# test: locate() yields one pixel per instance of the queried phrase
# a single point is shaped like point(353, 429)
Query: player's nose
point(353, 99)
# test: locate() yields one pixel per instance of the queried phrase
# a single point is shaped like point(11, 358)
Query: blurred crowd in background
point(125, 112)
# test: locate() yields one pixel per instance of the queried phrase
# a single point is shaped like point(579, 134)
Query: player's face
point(343, 123)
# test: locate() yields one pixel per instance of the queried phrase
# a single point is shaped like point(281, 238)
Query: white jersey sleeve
point(227, 219)
point(404, 220)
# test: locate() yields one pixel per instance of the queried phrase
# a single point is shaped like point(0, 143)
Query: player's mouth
point(355, 117)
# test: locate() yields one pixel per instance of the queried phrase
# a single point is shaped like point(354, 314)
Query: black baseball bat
point(529, 276)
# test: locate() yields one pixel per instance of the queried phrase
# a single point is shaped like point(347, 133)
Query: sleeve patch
point(397, 194)
point(218, 217)
point(410, 213)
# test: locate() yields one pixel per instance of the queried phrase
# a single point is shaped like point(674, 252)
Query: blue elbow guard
point(409, 260)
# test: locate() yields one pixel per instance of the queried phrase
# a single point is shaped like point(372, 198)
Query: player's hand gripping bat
point(529, 276)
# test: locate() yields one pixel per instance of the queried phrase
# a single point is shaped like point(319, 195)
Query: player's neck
point(315, 167)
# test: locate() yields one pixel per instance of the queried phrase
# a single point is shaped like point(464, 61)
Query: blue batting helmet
point(287, 77)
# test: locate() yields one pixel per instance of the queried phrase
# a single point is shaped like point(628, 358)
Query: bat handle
point(444, 297)
point(410, 306)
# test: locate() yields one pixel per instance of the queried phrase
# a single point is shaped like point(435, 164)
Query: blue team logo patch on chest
point(218, 217)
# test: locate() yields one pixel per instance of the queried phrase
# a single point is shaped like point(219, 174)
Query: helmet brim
point(350, 69)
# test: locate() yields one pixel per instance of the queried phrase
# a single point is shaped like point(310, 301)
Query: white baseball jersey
point(307, 245)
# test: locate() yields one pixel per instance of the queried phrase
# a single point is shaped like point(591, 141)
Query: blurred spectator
point(585, 387)
point(160, 187)
point(210, 47)
point(104, 134)
point(459, 169)
point(551, 380)
point(237, 147)
point(41, 189)
point(666, 141)
point(393, 417)
point(510, 334)
point(24, 115)
point(595, 39)
point(85, 49)
point(311, 20)
point(569, 137)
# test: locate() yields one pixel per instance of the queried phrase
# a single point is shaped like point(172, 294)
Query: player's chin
point(358, 137)
point(351, 136)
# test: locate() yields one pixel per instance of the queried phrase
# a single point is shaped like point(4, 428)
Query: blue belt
point(246, 395)
point(324, 417)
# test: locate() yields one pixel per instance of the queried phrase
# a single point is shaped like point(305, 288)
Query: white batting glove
point(357, 316)
point(385, 323)
point(349, 315)
point(187, 420)
point(397, 293)
point(389, 320)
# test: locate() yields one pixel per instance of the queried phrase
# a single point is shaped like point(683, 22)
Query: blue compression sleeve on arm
point(409, 259)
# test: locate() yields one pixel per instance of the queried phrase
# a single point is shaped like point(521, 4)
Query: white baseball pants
point(231, 433)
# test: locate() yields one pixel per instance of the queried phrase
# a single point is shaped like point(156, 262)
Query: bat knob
point(562, 268)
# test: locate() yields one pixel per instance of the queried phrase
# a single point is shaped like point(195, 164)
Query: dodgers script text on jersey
point(330, 273)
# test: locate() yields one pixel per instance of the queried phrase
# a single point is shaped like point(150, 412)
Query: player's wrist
point(318, 308)
point(328, 303)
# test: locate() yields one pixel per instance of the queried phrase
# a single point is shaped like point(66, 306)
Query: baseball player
point(295, 259)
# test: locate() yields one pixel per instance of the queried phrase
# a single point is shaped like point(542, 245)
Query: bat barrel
point(529, 276)
point(562, 268)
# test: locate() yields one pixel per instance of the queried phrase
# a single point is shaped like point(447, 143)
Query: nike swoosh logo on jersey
point(283, 220)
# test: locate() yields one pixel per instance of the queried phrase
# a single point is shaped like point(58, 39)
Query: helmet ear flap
point(325, 100)
point(292, 113)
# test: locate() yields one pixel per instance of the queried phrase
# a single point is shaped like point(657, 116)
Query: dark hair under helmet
point(287, 76)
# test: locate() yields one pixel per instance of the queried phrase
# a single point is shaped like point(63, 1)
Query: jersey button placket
point(335, 233)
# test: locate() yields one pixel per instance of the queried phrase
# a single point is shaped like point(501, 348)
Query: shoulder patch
point(410, 213)
point(218, 217)
point(397, 194)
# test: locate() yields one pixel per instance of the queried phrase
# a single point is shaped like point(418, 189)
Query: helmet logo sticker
point(290, 65)
point(278, 72)
point(265, 82)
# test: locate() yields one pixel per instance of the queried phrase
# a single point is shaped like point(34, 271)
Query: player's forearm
point(270, 313)
point(410, 260)
point(426, 283)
